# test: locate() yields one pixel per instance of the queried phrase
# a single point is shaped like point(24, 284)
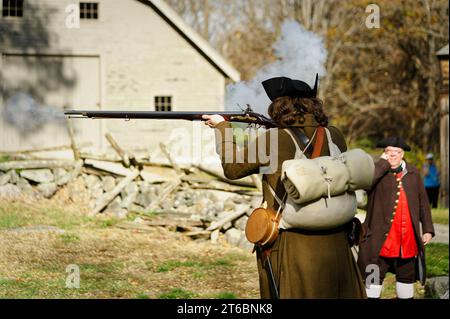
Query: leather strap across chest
point(320, 135)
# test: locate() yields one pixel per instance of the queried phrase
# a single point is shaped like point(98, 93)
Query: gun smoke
point(27, 116)
point(300, 55)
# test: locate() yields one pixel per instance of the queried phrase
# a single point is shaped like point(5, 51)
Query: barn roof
point(443, 51)
point(174, 19)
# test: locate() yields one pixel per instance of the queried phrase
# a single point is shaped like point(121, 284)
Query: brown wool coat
point(305, 264)
point(380, 209)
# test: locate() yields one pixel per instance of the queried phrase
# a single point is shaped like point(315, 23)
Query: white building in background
point(125, 55)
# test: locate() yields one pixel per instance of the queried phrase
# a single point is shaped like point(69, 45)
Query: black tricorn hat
point(283, 86)
point(395, 141)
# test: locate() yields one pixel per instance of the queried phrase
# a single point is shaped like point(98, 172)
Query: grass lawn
point(4, 158)
point(35, 262)
point(436, 256)
point(123, 263)
point(440, 215)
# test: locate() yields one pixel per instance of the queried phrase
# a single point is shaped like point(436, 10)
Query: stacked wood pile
point(196, 200)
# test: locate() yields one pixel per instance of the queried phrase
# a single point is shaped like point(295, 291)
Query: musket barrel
point(192, 115)
point(243, 117)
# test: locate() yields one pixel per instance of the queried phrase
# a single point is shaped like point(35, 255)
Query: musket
point(245, 116)
point(264, 254)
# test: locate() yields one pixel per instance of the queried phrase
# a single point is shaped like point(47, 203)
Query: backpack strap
point(279, 201)
point(299, 153)
point(319, 142)
point(333, 148)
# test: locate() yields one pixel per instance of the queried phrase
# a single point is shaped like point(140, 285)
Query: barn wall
point(138, 55)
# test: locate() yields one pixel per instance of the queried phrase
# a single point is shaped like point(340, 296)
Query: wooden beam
point(220, 176)
point(242, 209)
point(100, 158)
point(134, 226)
point(198, 234)
point(123, 155)
point(167, 191)
point(45, 149)
point(108, 197)
point(73, 145)
point(109, 167)
point(35, 164)
point(171, 161)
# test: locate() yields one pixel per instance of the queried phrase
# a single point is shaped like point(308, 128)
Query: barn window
point(12, 8)
point(163, 103)
point(88, 10)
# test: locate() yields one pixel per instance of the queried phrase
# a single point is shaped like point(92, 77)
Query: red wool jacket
point(400, 241)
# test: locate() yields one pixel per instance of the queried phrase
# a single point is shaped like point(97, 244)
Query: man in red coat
point(392, 241)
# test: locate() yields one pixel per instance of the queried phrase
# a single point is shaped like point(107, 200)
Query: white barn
point(125, 55)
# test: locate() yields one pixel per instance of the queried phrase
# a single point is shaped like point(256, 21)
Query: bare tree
point(196, 12)
point(378, 81)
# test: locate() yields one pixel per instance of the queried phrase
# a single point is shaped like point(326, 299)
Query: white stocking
point(374, 291)
point(405, 291)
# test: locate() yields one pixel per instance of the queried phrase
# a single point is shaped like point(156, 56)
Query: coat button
point(396, 201)
point(392, 220)
point(398, 193)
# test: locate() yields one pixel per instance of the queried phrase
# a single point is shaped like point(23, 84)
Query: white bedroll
point(320, 191)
